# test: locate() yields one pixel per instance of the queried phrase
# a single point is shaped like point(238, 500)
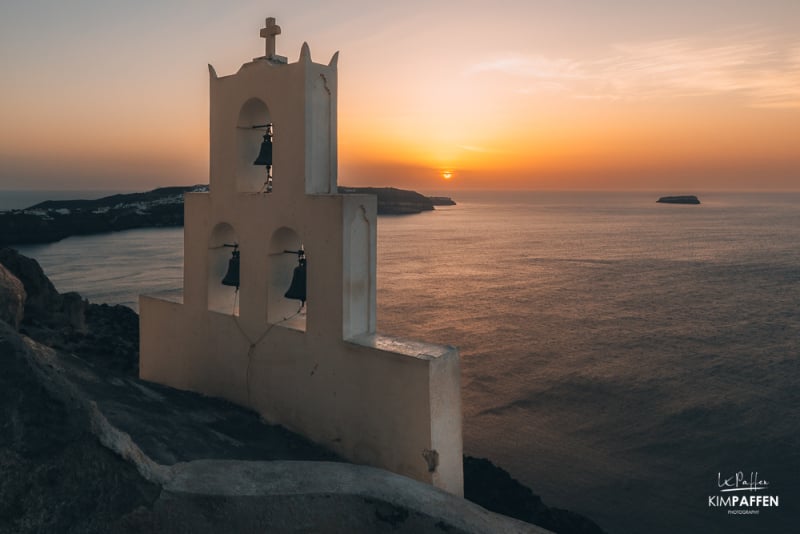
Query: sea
point(625, 359)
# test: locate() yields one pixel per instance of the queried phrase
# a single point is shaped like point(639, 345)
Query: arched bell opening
point(223, 270)
point(251, 128)
point(286, 302)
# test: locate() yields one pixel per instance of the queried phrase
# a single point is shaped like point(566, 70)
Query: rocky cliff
point(85, 446)
point(393, 201)
point(54, 220)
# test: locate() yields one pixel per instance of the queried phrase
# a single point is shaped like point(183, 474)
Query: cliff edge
point(86, 446)
point(54, 220)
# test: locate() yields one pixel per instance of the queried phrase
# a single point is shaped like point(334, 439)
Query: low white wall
point(374, 400)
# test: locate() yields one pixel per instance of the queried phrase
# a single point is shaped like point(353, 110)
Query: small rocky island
point(54, 220)
point(681, 199)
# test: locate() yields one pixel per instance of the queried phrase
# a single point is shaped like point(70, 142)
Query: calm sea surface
point(618, 354)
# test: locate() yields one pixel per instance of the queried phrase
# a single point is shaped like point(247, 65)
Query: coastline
point(54, 220)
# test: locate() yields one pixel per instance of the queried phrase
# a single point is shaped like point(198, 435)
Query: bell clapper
point(268, 183)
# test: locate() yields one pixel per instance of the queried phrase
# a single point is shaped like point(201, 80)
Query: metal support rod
point(255, 127)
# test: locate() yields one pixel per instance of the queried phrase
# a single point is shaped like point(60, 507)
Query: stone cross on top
point(269, 33)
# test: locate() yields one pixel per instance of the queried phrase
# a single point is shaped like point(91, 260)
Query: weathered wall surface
point(371, 405)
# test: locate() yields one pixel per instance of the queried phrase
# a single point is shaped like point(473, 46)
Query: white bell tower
point(318, 368)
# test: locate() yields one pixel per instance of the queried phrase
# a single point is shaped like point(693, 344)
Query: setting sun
point(447, 175)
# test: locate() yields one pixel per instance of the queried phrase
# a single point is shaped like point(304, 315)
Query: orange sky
point(529, 95)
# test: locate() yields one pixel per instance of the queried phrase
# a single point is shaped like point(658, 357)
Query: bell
point(265, 155)
point(297, 289)
point(232, 276)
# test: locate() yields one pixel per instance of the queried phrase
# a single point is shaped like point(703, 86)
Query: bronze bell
point(297, 289)
point(232, 276)
point(265, 155)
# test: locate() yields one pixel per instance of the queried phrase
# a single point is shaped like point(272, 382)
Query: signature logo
point(739, 482)
point(749, 503)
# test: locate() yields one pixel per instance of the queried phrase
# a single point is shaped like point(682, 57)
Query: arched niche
point(250, 178)
point(221, 298)
point(281, 269)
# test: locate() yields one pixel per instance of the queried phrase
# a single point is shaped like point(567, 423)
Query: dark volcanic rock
point(46, 310)
point(111, 339)
point(683, 199)
point(43, 301)
point(12, 298)
point(494, 489)
point(56, 476)
point(105, 335)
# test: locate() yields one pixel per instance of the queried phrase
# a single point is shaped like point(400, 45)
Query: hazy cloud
point(538, 67)
point(479, 149)
point(756, 69)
